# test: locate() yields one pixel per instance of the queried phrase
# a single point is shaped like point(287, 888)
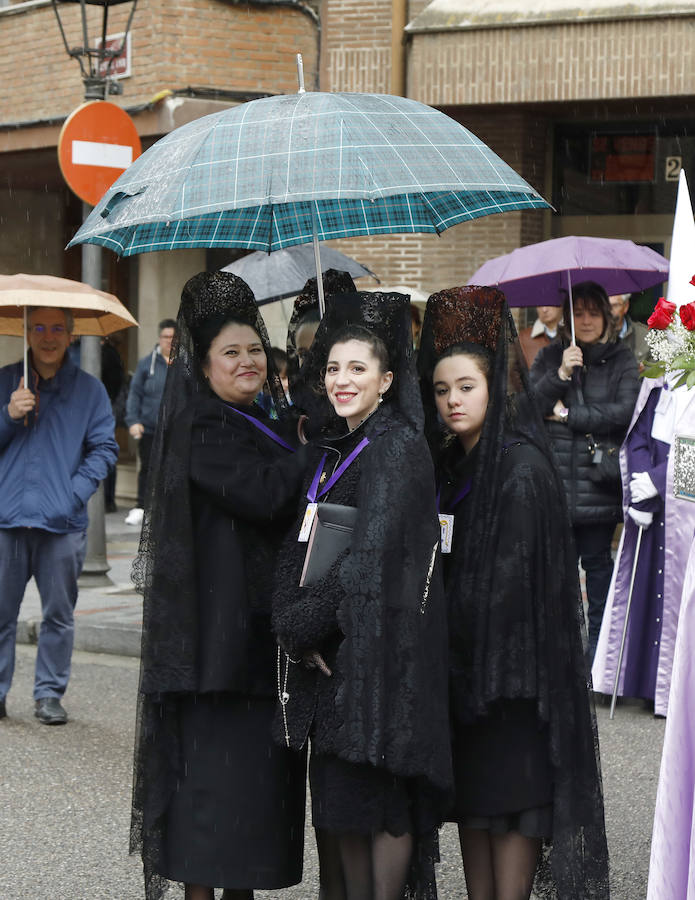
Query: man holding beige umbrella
point(56, 445)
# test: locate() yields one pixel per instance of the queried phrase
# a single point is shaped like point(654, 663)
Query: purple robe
point(672, 865)
point(651, 636)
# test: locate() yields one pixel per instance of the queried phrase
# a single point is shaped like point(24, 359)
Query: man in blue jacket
point(142, 408)
point(56, 445)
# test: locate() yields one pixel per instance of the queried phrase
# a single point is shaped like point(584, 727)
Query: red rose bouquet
point(671, 340)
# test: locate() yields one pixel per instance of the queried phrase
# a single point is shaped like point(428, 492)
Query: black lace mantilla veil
point(488, 659)
point(164, 567)
point(394, 704)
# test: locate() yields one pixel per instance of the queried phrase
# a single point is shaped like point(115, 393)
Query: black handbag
point(331, 533)
point(605, 461)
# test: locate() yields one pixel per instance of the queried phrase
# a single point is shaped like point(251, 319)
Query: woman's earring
point(381, 398)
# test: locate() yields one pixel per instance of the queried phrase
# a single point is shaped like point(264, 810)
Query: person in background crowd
point(142, 408)
point(415, 325)
point(541, 333)
point(56, 445)
point(650, 505)
point(216, 803)
point(587, 393)
point(264, 399)
point(529, 804)
point(628, 330)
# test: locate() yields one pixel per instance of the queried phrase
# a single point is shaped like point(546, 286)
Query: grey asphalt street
point(65, 794)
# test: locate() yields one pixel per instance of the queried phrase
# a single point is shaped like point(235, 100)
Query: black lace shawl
point(165, 568)
point(516, 621)
point(391, 705)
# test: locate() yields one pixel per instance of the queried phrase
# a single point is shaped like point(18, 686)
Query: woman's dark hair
point(206, 332)
point(594, 297)
point(360, 333)
point(482, 356)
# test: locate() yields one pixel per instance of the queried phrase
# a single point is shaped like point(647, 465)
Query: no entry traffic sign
point(97, 143)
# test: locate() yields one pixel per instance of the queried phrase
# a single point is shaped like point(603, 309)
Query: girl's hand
point(313, 660)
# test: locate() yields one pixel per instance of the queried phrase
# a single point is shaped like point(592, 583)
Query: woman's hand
point(571, 358)
point(313, 660)
point(559, 414)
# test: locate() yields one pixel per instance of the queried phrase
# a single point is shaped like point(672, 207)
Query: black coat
point(378, 617)
point(244, 491)
point(610, 385)
point(207, 614)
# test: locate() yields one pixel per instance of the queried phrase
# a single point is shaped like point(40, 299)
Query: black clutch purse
point(331, 533)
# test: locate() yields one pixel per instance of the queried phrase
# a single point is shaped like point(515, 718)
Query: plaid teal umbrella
point(288, 169)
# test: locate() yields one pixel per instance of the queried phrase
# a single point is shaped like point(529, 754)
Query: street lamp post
point(96, 60)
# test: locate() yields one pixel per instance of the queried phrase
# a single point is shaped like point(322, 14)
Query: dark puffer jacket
point(610, 384)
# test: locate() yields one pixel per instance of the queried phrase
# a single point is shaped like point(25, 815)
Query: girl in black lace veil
point(528, 788)
point(214, 802)
point(380, 759)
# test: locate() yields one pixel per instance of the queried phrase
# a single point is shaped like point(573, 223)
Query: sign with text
point(120, 67)
point(97, 143)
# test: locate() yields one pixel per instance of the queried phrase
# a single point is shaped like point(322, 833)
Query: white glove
point(642, 487)
point(643, 519)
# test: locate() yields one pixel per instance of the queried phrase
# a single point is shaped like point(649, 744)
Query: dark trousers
point(55, 561)
point(593, 544)
point(144, 451)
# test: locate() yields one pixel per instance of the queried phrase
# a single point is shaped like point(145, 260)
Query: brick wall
point(583, 61)
point(175, 44)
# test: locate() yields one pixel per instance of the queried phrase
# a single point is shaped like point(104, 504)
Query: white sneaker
point(134, 517)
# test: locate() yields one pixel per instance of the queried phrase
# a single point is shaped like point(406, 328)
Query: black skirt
point(237, 819)
point(357, 797)
point(502, 771)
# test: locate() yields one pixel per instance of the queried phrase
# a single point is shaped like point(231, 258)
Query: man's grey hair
point(69, 318)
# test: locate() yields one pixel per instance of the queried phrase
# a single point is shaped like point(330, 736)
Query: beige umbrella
point(95, 312)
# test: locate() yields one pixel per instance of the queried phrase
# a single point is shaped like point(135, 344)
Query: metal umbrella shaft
point(627, 619)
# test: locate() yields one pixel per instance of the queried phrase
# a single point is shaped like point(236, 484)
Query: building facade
point(187, 58)
point(593, 103)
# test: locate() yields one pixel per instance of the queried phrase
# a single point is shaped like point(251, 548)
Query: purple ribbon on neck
point(313, 494)
point(464, 492)
point(262, 427)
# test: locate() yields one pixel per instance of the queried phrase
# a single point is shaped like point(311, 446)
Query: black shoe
point(3, 709)
point(50, 712)
point(110, 506)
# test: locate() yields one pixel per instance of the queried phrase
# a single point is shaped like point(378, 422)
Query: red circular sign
point(97, 143)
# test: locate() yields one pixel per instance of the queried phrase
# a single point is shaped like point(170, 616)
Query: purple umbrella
point(535, 275)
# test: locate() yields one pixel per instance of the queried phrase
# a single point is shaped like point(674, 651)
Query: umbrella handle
point(569, 294)
point(317, 260)
point(26, 351)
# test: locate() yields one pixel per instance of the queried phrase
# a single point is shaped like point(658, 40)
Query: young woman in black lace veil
point(215, 802)
point(528, 788)
point(362, 668)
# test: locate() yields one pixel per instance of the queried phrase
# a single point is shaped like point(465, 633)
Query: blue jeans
point(55, 561)
point(593, 544)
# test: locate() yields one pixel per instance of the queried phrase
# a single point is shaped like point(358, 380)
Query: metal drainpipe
point(399, 19)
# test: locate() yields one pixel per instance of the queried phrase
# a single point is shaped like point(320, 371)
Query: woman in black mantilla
point(215, 802)
point(362, 668)
point(529, 802)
